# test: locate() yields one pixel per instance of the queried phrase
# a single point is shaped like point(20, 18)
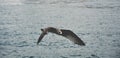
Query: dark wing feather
point(40, 38)
point(72, 37)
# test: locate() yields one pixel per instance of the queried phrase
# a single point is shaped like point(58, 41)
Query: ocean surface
point(96, 22)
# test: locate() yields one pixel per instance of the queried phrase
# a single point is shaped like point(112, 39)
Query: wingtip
point(37, 43)
point(81, 44)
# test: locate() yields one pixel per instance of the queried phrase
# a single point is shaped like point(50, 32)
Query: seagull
point(62, 32)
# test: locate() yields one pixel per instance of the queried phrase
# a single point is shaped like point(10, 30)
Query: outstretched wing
point(72, 37)
point(40, 38)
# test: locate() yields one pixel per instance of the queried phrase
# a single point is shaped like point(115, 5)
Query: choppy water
point(95, 22)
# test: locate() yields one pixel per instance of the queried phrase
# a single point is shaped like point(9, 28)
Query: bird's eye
point(60, 32)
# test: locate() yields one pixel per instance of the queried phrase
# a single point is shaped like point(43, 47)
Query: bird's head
point(60, 32)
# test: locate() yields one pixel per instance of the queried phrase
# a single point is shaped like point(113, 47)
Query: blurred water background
point(96, 22)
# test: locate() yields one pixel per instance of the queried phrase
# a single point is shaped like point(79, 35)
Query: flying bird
point(65, 33)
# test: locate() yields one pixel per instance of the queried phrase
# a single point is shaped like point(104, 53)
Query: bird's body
point(65, 33)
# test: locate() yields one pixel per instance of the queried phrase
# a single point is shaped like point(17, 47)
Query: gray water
point(96, 22)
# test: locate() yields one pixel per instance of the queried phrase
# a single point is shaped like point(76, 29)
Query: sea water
point(96, 22)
